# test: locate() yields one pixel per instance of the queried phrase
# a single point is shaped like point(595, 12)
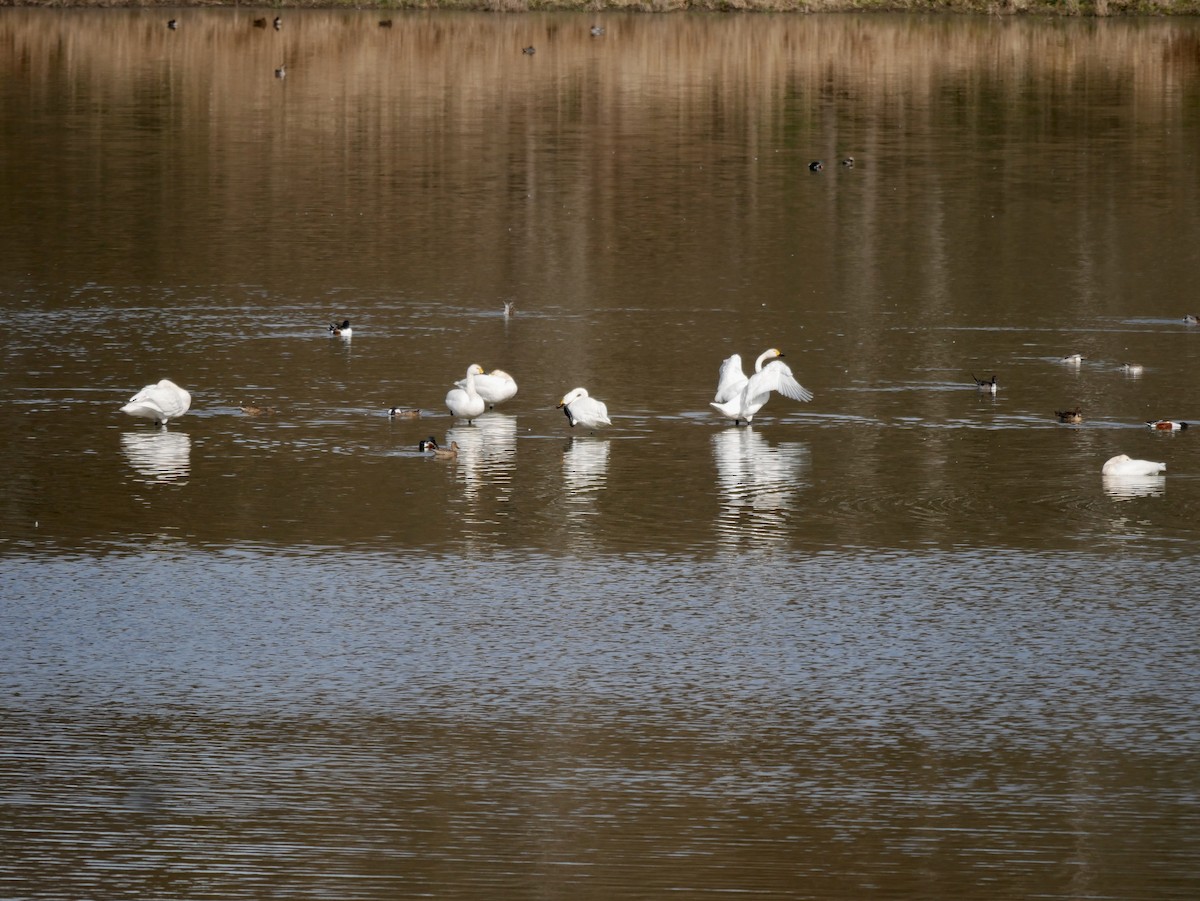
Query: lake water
point(901, 641)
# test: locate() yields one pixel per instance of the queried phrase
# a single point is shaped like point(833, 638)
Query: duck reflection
point(758, 483)
point(1123, 488)
point(159, 456)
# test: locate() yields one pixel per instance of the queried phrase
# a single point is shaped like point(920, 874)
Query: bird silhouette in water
point(529, 51)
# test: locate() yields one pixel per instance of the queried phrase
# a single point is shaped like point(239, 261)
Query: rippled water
point(904, 640)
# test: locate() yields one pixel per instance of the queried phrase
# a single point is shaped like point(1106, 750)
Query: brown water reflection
point(903, 640)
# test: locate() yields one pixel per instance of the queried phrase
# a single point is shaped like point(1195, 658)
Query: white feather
point(1122, 465)
point(774, 377)
point(465, 402)
point(160, 402)
point(584, 410)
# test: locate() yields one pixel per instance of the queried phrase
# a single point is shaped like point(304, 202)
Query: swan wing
point(777, 377)
point(730, 379)
point(170, 398)
point(162, 401)
point(494, 388)
point(588, 411)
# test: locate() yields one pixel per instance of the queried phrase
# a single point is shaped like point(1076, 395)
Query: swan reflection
point(758, 482)
point(159, 456)
point(1122, 488)
point(487, 451)
point(585, 466)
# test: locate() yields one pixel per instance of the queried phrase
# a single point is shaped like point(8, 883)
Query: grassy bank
point(992, 7)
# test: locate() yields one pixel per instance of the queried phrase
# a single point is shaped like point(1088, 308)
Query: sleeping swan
point(160, 402)
point(580, 409)
point(494, 387)
point(1122, 465)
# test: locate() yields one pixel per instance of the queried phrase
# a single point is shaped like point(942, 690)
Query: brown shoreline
point(1050, 8)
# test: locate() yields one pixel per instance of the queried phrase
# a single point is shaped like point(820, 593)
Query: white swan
point(730, 378)
point(494, 387)
point(756, 390)
point(160, 402)
point(1122, 465)
point(465, 401)
point(580, 409)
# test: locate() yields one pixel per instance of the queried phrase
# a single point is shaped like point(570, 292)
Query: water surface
point(901, 641)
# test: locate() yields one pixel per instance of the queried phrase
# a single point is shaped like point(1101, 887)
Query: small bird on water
point(986, 385)
point(1166, 425)
point(1071, 416)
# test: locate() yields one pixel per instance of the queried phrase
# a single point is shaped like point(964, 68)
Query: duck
point(848, 162)
point(988, 385)
point(404, 413)
point(1123, 465)
point(510, 307)
point(580, 408)
point(730, 377)
point(494, 387)
point(341, 331)
point(446, 453)
point(1191, 319)
point(172, 24)
point(756, 390)
point(1072, 359)
point(260, 23)
point(1133, 368)
point(816, 166)
point(1072, 416)
point(529, 51)
point(1166, 425)
point(278, 23)
point(465, 401)
point(385, 23)
point(597, 31)
point(161, 402)
point(252, 410)
point(281, 72)
point(427, 444)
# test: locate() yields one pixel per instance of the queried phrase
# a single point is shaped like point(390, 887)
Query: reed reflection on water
point(903, 640)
